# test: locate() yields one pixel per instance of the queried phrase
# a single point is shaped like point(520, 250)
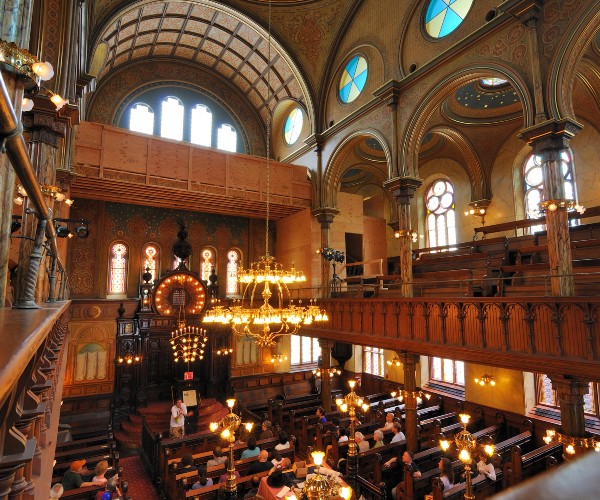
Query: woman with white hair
point(56, 491)
point(362, 444)
point(378, 437)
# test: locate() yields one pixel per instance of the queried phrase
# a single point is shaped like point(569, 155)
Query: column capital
point(570, 389)
point(527, 12)
point(408, 359)
point(315, 141)
point(325, 215)
point(551, 134)
point(326, 345)
point(403, 188)
point(44, 124)
point(389, 93)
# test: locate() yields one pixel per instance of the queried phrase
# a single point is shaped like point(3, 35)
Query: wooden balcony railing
point(559, 335)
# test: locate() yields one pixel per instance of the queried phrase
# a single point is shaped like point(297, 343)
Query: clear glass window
point(201, 132)
point(141, 118)
point(373, 361)
point(171, 124)
point(447, 370)
point(227, 138)
point(304, 350)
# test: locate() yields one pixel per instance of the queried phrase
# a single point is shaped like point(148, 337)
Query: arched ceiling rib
point(209, 34)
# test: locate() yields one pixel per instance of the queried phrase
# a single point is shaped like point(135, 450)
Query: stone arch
point(332, 176)
point(563, 69)
point(420, 115)
point(480, 188)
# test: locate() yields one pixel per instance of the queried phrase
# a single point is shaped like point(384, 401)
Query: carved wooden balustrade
point(551, 335)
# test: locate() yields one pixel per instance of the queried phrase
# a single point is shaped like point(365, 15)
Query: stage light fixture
point(63, 232)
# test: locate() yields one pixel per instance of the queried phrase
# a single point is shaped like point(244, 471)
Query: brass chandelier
point(266, 312)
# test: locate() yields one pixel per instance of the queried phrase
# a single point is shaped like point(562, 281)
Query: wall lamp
point(31, 67)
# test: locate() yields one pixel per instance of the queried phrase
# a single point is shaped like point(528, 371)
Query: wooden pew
point(243, 483)
point(521, 466)
point(481, 488)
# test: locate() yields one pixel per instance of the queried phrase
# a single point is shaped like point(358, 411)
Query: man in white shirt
point(398, 434)
point(178, 414)
point(389, 422)
point(485, 467)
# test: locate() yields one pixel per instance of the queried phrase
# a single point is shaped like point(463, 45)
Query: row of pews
point(93, 447)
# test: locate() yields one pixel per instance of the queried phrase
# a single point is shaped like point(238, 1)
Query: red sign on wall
point(188, 376)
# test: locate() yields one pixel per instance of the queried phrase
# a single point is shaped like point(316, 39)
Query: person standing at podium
point(178, 413)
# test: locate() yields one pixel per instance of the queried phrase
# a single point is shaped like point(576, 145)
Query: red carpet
point(140, 484)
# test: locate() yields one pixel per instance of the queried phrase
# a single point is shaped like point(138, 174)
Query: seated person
point(389, 422)
point(111, 490)
point(361, 442)
point(56, 491)
point(261, 465)
point(284, 442)
point(252, 450)
point(277, 459)
point(217, 458)
point(320, 412)
point(223, 477)
point(72, 478)
point(186, 464)
point(378, 437)
point(407, 462)
point(203, 481)
point(485, 467)
point(447, 474)
point(266, 432)
point(101, 468)
point(343, 435)
point(255, 483)
point(398, 434)
point(243, 436)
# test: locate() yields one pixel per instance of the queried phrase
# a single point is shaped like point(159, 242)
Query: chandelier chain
point(268, 133)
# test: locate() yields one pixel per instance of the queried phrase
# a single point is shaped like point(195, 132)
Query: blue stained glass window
point(353, 79)
point(293, 126)
point(444, 16)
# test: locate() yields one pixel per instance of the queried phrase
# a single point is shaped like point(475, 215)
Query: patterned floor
point(140, 484)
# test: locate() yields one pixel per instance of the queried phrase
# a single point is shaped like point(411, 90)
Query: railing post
point(52, 292)
point(27, 296)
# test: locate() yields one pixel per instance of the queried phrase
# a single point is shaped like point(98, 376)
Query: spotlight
point(62, 231)
point(82, 232)
point(15, 225)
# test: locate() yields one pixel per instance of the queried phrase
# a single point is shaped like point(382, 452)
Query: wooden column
point(325, 216)
point(409, 362)
point(326, 346)
point(403, 190)
point(549, 140)
point(570, 392)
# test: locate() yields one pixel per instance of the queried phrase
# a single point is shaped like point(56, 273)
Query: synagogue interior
point(357, 241)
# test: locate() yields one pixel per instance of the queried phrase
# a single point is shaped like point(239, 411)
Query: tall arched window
point(117, 275)
point(534, 184)
point(441, 218)
point(171, 123)
point(141, 118)
point(207, 262)
point(227, 138)
point(150, 260)
point(201, 132)
point(233, 265)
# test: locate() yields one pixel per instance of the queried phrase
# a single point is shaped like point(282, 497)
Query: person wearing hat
point(276, 479)
point(72, 478)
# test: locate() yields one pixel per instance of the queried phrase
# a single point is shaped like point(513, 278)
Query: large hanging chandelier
point(266, 312)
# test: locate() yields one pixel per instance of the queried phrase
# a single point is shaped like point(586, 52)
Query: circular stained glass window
point(353, 79)
point(293, 126)
point(444, 16)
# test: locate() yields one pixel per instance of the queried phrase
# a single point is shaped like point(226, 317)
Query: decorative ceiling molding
point(211, 34)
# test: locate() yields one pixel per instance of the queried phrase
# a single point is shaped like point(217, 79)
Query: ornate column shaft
point(409, 362)
point(390, 94)
point(326, 346)
point(549, 140)
point(403, 190)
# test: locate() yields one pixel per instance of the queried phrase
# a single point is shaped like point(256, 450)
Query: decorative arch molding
point(480, 188)
point(114, 90)
point(421, 114)
point(332, 177)
point(563, 68)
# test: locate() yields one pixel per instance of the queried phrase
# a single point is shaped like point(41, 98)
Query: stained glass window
point(141, 118)
point(304, 350)
point(233, 265)
point(353, 79)
point(373, 361)
point(447, 370)
point(117, 276)
point(546, 394)
point(171, 123)
point(201, 132)
point(293, 126)
point(207, 263)
point(227, 138)
point(441, 220)
point(150, 260)
point(493, 82)
point(444, 16)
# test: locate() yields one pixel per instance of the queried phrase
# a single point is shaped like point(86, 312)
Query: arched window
point(207, 263)
point(150, 260)
point(304, 350)
point(141, 118)
point(171, 123)
point(441, 218)
point(117, 275)
point(233, 265)
point(534, 184)
point(227, 138)
point(201, 132)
